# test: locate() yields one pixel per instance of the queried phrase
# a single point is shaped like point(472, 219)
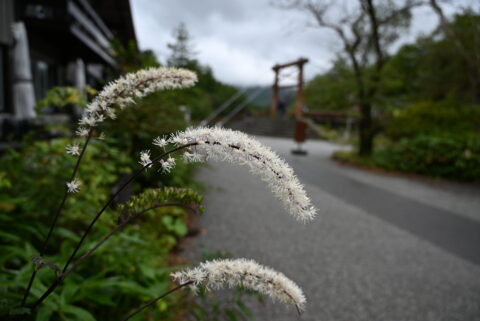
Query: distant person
point(282, 107)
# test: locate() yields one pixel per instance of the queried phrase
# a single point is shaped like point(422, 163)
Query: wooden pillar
point(273, 109)
point(299, 100)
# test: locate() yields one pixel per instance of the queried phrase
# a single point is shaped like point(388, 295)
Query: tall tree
point(182, 52)
point(366, 29)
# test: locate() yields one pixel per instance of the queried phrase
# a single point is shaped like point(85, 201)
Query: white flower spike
point(124, 91)
point(73, 186)
point(228, 273)
point(236, 147)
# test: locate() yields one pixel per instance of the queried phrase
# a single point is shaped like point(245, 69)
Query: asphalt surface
point(382, 247)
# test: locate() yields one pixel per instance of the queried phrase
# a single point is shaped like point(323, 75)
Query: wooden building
point(46, 43)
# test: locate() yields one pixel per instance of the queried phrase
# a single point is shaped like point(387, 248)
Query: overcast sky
point(242, 39)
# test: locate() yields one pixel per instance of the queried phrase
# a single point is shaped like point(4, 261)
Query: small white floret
point(167, 164)
point(145, 159)
point(160, 142)
point(82, 131)
point(73, 149)
point(192, 157)
point(73, 186)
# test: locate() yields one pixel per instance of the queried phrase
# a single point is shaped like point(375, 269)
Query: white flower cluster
point(167, 164)
point(192, 157)
point(73, 186)
point(160, 142)
point(145, 159)
point(237, 147)
point(73, 149)
point(124, 91)
point(217, 274)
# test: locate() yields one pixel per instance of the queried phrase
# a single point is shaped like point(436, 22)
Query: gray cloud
point(242, 39)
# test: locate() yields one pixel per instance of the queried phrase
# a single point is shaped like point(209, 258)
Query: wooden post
point(273, 109)
point(299, 100)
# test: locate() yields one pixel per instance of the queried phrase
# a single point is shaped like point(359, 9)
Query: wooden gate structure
point(300, 125)
point(299, 85)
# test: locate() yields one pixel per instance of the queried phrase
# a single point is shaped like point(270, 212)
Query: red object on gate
point(300, 131)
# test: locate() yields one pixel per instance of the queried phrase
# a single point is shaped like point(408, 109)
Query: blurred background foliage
point(427, 108)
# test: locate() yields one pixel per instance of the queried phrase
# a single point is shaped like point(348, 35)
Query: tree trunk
point(366, 130)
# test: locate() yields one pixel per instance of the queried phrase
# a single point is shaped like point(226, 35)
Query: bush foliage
point(452, 158)
point(438, 119)
point(131, 268)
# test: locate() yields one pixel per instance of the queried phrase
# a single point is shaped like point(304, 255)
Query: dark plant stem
point(57, 214)
point(58, 281)
point(153, 301)
point(112, 198)
point(118, 228)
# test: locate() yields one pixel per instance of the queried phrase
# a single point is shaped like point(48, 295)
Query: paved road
point(382, 248)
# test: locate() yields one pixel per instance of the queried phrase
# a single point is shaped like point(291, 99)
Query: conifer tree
point(182, 52)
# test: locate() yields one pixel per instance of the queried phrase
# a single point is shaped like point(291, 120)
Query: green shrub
point(62, 97)
point(439, 119)
point(39, 172)
point(453, 158)
point(130, 269)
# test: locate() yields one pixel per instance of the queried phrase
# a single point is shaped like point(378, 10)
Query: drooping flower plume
point(217, 274)
point(127, 89)
point(237, 147)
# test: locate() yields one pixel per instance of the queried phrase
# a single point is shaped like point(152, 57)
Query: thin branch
point(350, 46)
point(99, 214)
point(57, 215)
point(118, 228)
point(471, 59)
point(396, 13)
point(319, 13)
point(153, 301)
point(112, 198)
point(450, 33)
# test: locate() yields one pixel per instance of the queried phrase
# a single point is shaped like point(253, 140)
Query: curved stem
point(115, 230)
point(112, 198)
point(58, 281)
point(57, 215)
point(153, 301)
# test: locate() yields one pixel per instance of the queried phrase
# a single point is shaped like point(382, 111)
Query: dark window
point(41, 79)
